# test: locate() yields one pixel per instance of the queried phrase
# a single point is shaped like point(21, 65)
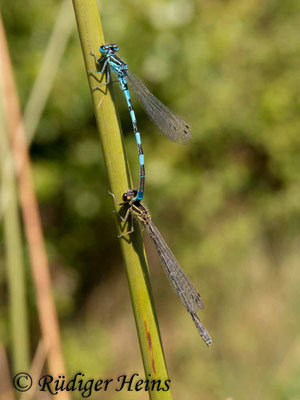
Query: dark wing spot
point(187, 126)
point(185, 132)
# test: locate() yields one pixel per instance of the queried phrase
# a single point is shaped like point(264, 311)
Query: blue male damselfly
point(166, 121)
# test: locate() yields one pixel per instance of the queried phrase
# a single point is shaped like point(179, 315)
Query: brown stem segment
point(31, 217)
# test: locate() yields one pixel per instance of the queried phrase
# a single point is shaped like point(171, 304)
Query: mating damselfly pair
point(175, 129)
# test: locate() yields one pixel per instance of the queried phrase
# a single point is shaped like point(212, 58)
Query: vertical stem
point(14, 255)
point(91, 37)
point(32, 222)
point(7, 392)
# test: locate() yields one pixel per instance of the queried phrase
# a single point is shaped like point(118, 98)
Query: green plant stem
point(91, 36)
point(32, 222)
point(14, 256)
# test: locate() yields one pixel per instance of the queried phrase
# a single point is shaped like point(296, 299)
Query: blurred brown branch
point(6, 389)
point(32, 222)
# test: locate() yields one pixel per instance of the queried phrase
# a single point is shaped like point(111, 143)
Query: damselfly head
point(108, 48)
point(129, 195)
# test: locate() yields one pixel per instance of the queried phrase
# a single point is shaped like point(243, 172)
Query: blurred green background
point(228, 204)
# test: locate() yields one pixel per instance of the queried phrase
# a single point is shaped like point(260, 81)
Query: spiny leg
point(115, 200)
point(98, 61)
point(132, 226)
point(102, 60)
point(113, 196)
point(105, 67)
point(124, 219)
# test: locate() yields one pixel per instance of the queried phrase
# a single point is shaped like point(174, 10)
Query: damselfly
point(168, 123)
point(180, 282)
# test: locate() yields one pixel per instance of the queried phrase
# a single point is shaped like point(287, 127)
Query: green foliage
point(228, 203)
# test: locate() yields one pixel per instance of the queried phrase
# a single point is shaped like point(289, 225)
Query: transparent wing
point(180, 282)
point(167, 122)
